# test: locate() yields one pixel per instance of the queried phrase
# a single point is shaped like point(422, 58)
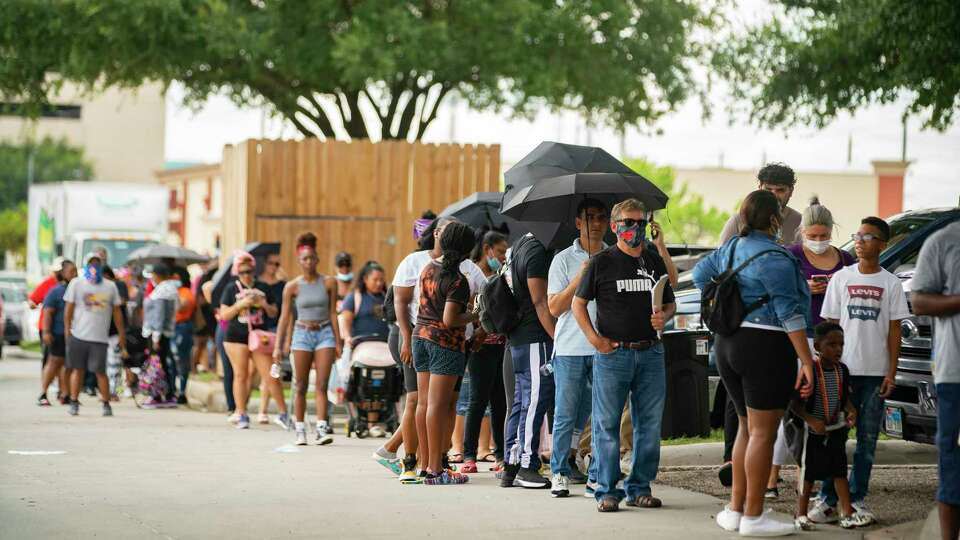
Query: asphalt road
point(176, 474)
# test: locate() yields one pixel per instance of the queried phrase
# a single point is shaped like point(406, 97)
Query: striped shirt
point(832, 379)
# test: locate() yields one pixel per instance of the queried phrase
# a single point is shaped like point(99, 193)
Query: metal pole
point(903, 144)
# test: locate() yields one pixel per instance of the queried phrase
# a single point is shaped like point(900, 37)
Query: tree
point(366, 69)
point(687, 219)
point(13, 231)
point(52, 161)
point(818, 58)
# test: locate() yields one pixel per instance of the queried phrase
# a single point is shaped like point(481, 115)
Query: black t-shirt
point(622, 286)
point(275, 296)
point(436, 289)
point(237, 330)
point(528, 259)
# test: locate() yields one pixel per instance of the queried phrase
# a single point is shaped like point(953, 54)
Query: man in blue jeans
point(573, 354)
point(629, 360)
point(936, 293)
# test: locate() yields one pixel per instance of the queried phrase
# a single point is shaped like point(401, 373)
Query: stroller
point(373, 386)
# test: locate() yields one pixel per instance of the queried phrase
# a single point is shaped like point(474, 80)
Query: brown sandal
point(645, 501)
point(608, 504)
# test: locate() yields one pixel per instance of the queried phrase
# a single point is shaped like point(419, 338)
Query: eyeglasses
point(857, 237)
point(630, 222)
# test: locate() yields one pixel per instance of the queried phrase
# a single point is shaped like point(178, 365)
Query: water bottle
point(275, 371)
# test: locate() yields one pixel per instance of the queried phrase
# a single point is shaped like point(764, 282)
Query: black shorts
point(825, 456)
point(409, 373)
point(758, 368)
point(58, 348)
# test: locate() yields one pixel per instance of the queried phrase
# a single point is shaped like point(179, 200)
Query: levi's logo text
point(864, 302)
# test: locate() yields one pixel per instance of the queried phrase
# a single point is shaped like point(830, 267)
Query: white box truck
point(70, 219)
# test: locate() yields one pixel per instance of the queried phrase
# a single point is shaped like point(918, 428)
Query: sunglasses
point(630, 222)
point(245, 273)
point(273, 263)
point(857, 237)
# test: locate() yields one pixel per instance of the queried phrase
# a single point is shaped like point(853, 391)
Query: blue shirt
point(54, 300)
point(774, 274)
point(568, 338)
point(368, 320)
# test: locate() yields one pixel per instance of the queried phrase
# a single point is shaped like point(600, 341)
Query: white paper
point(656, 296)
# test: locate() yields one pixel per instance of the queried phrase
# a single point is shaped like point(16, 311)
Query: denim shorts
point(312, 340)
point(948, 444)
point(430, 357)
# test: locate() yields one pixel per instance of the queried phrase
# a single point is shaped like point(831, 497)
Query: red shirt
point(40, 293)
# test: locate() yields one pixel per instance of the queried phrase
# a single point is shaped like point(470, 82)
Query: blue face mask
point(493, 263)
point(92, 273)
point(345, 277)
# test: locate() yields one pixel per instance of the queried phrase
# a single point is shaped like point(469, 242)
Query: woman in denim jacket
point(758, 364)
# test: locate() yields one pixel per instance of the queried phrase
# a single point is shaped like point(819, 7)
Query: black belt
point(639, 345)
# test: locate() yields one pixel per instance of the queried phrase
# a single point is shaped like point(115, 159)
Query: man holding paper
point(624, 281)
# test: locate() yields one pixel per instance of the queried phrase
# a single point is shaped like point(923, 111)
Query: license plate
point(378, 374)
point(893, 422)
point(703, 347)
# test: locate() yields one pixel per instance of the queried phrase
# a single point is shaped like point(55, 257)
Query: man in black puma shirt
point(629, 359)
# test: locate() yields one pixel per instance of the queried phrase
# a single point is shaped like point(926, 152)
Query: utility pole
point(903, 143)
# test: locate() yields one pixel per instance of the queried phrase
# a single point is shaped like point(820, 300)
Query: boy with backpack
point(869, 303)
point(828, 415)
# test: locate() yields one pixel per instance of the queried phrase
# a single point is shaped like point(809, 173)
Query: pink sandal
point(469, 467)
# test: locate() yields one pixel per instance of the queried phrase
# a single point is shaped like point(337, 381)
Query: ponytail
point(456, 243)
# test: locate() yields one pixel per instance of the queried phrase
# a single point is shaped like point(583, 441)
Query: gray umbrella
point(157, 253)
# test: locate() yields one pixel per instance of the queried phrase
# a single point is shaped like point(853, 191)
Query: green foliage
point(13, 230)
point(687, 219)
point(53, 161)
point(367, 69)
point(818, 58)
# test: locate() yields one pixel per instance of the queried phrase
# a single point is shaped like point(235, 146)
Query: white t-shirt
point(408, 275)
point(865, 304)
point(92, 308)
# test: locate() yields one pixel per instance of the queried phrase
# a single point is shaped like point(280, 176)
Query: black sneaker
point(725, 474)
point(107, 410)
point(509, 475)
point(74, 408)
point(43, 401)
point(575, 476)
point(531, 479)
point(181, 399)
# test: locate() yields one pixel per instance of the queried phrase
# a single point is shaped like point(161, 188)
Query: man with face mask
point(629, 359)
point(91, 303)
point(780, 180)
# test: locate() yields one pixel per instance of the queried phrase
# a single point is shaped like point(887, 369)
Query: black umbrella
point(482, 211)
point(551, 159)
point(556, 199)
point(553, 235)
point(259, 250)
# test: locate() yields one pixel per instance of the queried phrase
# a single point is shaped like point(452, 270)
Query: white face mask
point(817, 246)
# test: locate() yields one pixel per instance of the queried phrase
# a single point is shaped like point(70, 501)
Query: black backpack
point(496, 305)
point(721, 306)
point(389, 311)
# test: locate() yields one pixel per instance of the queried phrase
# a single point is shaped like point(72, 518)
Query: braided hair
point(456, 242)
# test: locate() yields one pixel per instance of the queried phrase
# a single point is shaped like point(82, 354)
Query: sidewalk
point(177, 474)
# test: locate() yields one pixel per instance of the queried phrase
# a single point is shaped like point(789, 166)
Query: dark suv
point(910, 412)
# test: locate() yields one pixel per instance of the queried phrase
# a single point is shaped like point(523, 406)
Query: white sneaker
point(559, 486)
point(764, 526)
point(823, 513)
point(860, 507)
point(377, 432)
point(323, 438)
point(301, 438)
point(729, 520)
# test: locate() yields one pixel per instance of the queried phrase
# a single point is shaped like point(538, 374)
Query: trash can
point(686, 412)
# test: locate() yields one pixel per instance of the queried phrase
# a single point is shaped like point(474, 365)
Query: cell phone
point(822, 278)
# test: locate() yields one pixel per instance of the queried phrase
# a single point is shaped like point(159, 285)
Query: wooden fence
point(359, 197)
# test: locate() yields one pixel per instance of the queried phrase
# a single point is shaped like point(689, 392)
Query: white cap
point(91, 255)
point(57, 264)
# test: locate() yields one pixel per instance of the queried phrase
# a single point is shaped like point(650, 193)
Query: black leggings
point(486, 386)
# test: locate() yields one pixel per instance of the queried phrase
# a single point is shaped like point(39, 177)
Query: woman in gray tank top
point(315, 341)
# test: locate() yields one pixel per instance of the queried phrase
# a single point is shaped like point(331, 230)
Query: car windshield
point(900, 229)
point(118, 251)
point(12, 295)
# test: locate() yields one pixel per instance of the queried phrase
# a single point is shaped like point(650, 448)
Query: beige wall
point(849, 196)
point(121, 131)
point(193, 185)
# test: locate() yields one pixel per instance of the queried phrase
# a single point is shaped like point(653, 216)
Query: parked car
point(15, 312)
point(910, 412)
